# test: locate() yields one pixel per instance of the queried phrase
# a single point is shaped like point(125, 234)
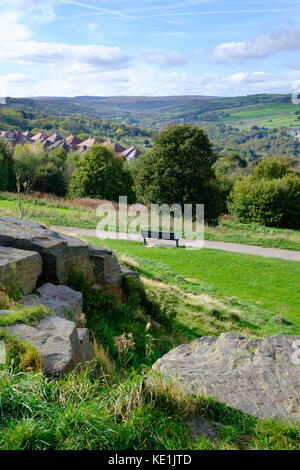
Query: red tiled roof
point(55, 138)
point(40, 136)
point(73, 140)
point(88, 143)
point(20, 139)
point(117, 148)
point(131, 153)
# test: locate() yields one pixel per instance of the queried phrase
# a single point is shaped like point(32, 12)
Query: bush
point(272, 168)
point(99, 174)
point(270, 202)
point(45, 171)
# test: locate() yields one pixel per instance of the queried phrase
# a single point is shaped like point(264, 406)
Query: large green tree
point(179, 170)
point(99, 174)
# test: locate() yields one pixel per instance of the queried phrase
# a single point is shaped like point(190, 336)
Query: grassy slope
point(61, 212)
point(263, 115)
point(272, 284)
point(121, 412)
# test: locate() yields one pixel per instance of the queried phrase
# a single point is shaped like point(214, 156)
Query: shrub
point(99, 174)
point(272, 168)
point(45, 171)
point(270, 202)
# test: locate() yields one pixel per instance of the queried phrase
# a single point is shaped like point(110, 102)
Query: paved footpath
point(233, 247)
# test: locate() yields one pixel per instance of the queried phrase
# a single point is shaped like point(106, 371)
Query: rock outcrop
point(35, 255)
point(23, 267)
point(60, 300)
point(61, 346)
point(257, 376)
point(60, 253)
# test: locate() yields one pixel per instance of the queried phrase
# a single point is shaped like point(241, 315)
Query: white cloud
point(249, 77)
point(36, 11)
point(12, 84)
point(163, 58)
point(258, 47)
point(141, 79)
point(32, 52)
point(11, 29)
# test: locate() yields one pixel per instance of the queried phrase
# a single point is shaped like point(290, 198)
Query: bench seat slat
point(159, 235)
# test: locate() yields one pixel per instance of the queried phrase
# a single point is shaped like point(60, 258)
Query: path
point(225, 246)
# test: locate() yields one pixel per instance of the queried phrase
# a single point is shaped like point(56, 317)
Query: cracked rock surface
point(61, 346)
point(257, 376)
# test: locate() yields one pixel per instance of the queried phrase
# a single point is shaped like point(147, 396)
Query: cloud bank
point(258, 47)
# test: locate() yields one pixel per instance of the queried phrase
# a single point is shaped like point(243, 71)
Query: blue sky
point(149, 47)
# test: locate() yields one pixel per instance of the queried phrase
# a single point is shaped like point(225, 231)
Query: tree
point(179, 170)
point(27, 161)
point(99, 174)
point(272, 168)
point(7, 172)
point(44, 171)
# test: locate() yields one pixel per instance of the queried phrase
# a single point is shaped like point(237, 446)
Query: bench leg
point(177, 243)
point(145, 242)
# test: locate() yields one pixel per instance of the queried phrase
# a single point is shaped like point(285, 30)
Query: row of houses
point(70, 144)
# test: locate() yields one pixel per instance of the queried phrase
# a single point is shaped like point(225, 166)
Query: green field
point(82, 214)
point(266, 116)
point(271, 284)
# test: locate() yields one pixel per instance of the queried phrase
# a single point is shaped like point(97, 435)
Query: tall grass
point(79, 412)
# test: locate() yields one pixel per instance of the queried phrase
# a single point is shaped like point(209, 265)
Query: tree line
point(181, 168)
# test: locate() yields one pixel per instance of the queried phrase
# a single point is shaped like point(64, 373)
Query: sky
point(149, 47)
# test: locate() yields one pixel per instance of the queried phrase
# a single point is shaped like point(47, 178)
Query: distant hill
point(265, 110)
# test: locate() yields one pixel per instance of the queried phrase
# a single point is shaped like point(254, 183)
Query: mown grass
point(254, 234)
point(81, 213)
point(268, 283)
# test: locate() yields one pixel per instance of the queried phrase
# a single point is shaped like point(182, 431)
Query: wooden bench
point(160, 236)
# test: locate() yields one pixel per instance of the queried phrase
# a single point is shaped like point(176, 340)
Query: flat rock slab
point(257, 376)
point(60, 300)
point(20, 266)
point(61, 346)
point(25, 234)
point(60, 253)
